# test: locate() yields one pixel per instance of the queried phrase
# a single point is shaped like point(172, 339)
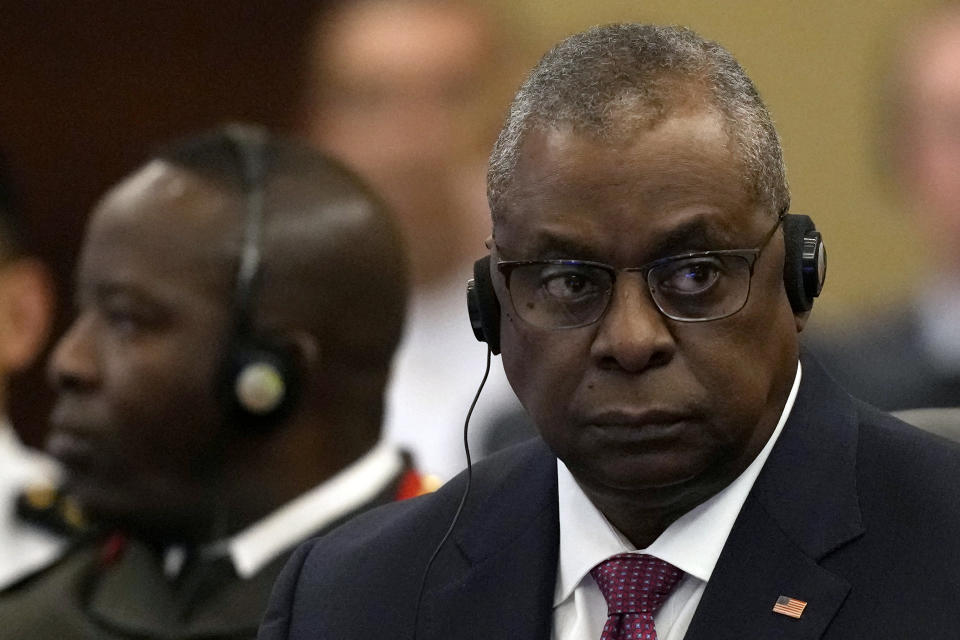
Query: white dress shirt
point(436, 371)
point(24, 548)
point(261, 542)
point(692, 543)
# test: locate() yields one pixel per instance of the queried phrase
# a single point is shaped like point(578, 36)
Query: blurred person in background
point(909, 356)
point(407, 93)
point(220, 392)
point(26, 313)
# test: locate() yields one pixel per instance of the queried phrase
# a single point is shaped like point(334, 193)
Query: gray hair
point(621, 76)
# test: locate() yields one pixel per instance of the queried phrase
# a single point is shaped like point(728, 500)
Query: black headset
point(259, 381)
point(804, 271)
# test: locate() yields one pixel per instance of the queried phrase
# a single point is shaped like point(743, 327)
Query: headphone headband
point(259, 380)
point(804, 272)
point(249, 144)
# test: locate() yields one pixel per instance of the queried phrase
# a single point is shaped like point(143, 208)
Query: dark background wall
point(87, 86)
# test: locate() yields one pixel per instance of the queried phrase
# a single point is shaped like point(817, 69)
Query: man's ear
point(26, 312)
point(801, 320)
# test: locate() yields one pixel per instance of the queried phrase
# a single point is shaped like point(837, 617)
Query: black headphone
point(259, 382)
point(804, 271)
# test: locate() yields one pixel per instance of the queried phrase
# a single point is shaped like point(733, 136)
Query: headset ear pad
point(483, 306)
point(805, 261)
point(260, 383)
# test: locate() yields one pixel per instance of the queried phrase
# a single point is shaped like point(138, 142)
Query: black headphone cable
point(463, 497)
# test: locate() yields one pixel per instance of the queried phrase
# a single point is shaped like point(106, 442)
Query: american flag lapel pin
point(789, 606)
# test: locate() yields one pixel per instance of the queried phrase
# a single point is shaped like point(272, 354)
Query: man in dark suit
point(697, 477)
point(220, 391)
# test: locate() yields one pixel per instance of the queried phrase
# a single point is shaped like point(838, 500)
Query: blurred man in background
point(910, 356)
point(409, 93)
point(26, 312)
point(221, 388)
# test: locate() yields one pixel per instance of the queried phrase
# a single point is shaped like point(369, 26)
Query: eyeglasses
point(692, 287)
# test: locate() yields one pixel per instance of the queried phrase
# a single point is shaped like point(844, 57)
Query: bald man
point(221, 389)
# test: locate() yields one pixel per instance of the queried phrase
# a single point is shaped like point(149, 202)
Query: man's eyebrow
point(693, 235)
point(115, 288)
point(102, 291)
point(548, 245)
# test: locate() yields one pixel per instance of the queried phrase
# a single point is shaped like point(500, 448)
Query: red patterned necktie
point(634, 586)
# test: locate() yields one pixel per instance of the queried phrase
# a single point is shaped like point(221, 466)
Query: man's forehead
point(683, 145)
point(682, 178)
point(162, 222)
point(394, 34)
point(934, 59)
point(164, 196)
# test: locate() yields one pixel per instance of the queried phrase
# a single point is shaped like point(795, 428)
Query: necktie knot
point(634, 583)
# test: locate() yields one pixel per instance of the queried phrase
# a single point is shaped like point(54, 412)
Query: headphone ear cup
point(805, 261)
point(260, 384)
point(483, 306)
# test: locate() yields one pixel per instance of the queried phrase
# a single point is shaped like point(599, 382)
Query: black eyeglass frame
point(506, 267)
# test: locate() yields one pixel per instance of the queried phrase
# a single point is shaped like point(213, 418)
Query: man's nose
point(74, 364)
point(633, 335)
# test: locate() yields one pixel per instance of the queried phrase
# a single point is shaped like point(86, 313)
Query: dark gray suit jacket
point(855, 513)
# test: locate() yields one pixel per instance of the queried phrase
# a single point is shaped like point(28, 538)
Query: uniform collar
point(258, 544)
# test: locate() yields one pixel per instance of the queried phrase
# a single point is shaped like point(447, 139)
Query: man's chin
point(648, 485)
point(104, 506)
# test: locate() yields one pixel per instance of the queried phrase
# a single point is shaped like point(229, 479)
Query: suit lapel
point(497, 580)
point(803, 506)
point(753, 571)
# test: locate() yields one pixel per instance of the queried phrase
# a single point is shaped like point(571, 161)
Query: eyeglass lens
point(567, 294)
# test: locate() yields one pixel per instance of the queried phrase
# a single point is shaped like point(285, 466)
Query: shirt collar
point(257, 545)
point(691, 543)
